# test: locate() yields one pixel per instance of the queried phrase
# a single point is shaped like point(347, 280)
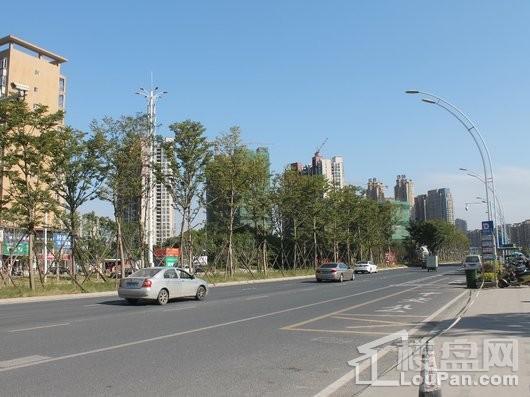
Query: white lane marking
point(305, 289)
point(348, 377)
point(191, 331)
point(22, 360)
point(256, 297)
point(92, 305)
point(174, 309)
point(38, 327)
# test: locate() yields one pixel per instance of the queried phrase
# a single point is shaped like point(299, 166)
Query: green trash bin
point(471, 278)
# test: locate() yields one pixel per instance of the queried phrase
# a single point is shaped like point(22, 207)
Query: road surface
point(286, 338)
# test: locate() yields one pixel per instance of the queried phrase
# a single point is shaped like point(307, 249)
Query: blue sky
point(292, 73)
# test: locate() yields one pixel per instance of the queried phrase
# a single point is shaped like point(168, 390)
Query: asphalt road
point(287, 338)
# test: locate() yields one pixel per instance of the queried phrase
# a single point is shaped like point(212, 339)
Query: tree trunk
point(315, 249)
point(190, 240)
point(348, 251)
point(230, 262)
point(182, 225)
point(120, 247)
point(30, 261)
point(295, 245)
point(73, 269)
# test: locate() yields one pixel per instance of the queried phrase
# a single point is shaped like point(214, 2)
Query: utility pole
point(152, 97)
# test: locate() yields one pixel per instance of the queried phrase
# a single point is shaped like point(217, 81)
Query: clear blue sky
point(291, 73)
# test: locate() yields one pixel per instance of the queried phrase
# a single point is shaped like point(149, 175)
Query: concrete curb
point(52, 298)
point(31, 299)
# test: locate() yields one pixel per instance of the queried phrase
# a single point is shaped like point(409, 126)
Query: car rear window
point(472, 258)
point(145, 273)
point(329, 266)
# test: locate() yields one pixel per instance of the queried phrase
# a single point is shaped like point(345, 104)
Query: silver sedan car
point(334, 272)
point(161, 284)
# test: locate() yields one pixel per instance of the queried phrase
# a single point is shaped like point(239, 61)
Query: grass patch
point(52, 287)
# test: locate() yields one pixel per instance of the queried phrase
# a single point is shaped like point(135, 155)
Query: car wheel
point(352, 277)
point(201, 293)
point(341, 279)
point(163, 297)
point(131, 301)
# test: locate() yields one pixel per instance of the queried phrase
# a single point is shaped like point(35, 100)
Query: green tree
point(439, 236)
point(187, 154)
point(229, 175)
point(123, 186)
point(79, 171)
point(258, 203)
point(30, 139)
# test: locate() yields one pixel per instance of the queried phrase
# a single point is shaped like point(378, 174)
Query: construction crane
point(317, 152)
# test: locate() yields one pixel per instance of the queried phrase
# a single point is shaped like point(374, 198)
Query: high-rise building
point(461, 225)
point(32, 72)
point(134, 209)
point(322, 166)
point(331, 169)
point(404, 190)
point(337, 169)
point(164, 204)
point(520, 234)
point(420, 208)
point(474, 238)
point(375, 190)
point(440, 205)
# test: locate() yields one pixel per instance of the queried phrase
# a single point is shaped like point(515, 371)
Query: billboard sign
point(487, 240)
point(15, 244)
point(62, 241)
point(487, 227)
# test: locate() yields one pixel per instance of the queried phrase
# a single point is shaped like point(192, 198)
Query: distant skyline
point(292, 73)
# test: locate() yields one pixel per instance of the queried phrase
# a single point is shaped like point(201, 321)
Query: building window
point(61, 85)
point(3, 63)
point(61, 101)
point(36, 72)
point(35, 89)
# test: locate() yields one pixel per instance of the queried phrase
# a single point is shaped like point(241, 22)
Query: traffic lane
point(52, 339)
point(255, 358)
point(69, 338)
point(33, 314)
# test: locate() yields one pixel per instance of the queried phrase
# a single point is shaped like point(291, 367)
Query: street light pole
point(152, 97)
point(470, 127)
point(500, 219)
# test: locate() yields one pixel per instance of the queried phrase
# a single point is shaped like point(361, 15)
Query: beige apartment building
point(34, 74)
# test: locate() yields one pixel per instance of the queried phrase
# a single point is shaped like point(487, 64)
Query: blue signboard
point(62, 241)
point(487, 240)
point(487, 227)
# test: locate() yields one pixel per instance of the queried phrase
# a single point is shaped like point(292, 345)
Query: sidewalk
point(501, 314)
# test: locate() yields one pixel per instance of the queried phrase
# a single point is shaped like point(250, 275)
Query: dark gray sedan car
point(334, 272)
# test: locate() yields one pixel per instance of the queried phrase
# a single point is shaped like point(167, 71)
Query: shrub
point(489, 276)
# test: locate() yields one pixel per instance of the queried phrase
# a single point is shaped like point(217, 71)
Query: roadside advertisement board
point(487, 240)
point(15, 244)
point(62, 241)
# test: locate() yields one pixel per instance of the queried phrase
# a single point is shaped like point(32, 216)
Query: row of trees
point(441, 238)
point(254, 219)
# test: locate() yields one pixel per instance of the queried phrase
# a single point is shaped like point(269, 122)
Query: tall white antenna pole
point(152, 97)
